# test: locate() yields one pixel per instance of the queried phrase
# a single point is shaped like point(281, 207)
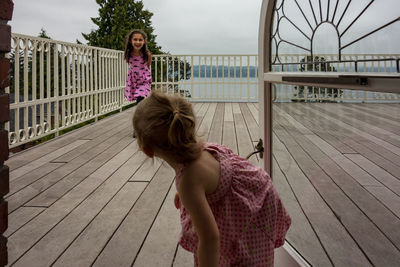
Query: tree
point(116, 19)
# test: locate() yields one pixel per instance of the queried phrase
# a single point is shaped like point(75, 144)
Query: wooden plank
point(202, 110)
point(320, 127)
point(229, 134)
point(69, 156)
point(159, 246)
point(374, 152)
point(34, 189)
point(253, 110)
point(200, 115)
point(376, 122)
point(32, 176)
point(347, 165)
point(387, 108)
point(196, 107)
point(340, 247)
point(63, 219)
point(245, 145)
point(228, 113)
point(52, 194)
point(383, 218)
point(147, 170)
point(387, 197)
point(125, 244)
point(371, 113)
point(19, 159)
point(380, 146)
point(215, 134)
point(343, 199)
point(205, 126)
point(123, 118)
point(379, 136)
point(85, 248)
point(183, 258)
point(19, 218)
point(14, 174)
point(236, 109)
point(300, 127)
point(380, 174)
point(301, 234)
point(251, 124)
point(373, 155)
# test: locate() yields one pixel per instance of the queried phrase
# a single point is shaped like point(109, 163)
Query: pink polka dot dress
point(138, 81)
point(251, 218)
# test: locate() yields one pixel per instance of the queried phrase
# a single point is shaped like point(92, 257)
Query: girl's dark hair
point(167, 123)
point(129, 47)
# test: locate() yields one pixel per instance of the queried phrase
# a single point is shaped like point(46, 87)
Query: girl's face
point(137, 41)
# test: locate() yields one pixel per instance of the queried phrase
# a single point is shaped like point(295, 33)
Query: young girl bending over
point(231, 214)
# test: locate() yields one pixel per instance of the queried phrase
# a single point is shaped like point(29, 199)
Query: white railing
point(58, 85)
point(232, 78)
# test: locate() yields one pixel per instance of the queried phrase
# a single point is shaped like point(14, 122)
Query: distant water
point(225, 88)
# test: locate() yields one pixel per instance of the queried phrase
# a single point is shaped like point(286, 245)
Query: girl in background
point(231, 215)
point(138, 81)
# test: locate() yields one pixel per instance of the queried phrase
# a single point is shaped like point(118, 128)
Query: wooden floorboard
point(28, 155)
point(341, 248)
point(322, 168)
point(91, 198)
point(301, 234)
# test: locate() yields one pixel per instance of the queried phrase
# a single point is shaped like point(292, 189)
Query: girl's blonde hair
point(167, 123)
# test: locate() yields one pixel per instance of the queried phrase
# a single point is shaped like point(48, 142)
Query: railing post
point(56, 91)
point(96, 87)
point(5, 48)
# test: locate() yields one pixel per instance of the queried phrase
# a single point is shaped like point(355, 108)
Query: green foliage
point(312, 93)
point(116, 19)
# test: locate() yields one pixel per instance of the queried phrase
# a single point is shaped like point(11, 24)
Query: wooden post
point(6, 10)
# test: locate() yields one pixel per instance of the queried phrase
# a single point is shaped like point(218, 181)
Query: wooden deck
point(91, 197)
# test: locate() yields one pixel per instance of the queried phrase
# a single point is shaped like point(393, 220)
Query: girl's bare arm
point(193, 197)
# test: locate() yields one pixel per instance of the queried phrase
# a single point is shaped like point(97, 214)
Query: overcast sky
point(220, 26)
point(181, 26)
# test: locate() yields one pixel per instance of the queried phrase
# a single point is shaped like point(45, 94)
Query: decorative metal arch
point(318, 18)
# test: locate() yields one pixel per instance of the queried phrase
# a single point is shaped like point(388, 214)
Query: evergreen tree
point(116, 19)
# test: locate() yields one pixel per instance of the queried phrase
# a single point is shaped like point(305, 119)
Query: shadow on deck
point(92, 198)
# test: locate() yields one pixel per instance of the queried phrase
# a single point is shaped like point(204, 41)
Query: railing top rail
point(13, 35)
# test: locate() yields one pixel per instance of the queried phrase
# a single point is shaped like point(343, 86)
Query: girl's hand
point(177, 202)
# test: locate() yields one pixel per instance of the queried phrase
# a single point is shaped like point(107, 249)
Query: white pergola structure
point(268, 75)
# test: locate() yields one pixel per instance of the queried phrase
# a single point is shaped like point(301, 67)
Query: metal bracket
point(259, 149)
